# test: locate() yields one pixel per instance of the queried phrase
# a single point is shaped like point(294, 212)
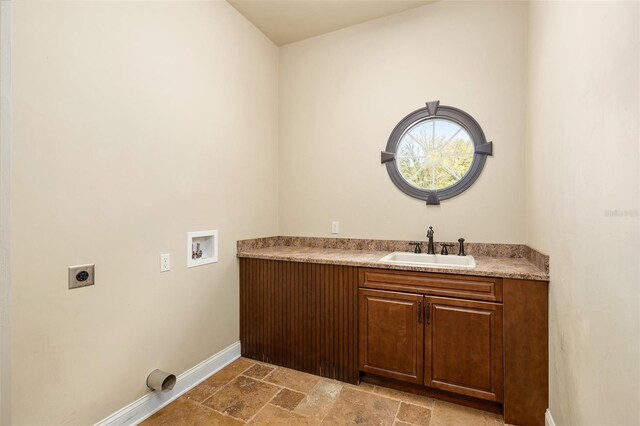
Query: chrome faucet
point(430, 248)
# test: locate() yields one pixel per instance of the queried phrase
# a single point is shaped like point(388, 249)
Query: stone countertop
point(486, 266)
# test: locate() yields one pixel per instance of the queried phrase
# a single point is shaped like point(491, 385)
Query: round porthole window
point(436, 152)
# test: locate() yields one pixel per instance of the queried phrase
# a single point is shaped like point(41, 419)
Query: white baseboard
point(144, 407)
point(548, 419)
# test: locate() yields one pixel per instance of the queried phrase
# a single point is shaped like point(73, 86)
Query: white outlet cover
point(165, 262)
point(335, 227)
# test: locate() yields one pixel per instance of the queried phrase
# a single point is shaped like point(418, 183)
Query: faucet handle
point(445, 248)
point(461, 247)
point(418, 248)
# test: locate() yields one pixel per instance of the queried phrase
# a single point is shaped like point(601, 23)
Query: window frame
point(433, 110)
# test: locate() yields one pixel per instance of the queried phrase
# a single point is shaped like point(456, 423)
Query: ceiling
point(287, 21)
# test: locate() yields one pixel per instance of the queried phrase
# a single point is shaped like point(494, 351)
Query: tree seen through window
point(435, 154)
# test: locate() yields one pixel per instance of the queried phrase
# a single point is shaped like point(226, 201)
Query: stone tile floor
point(253, 393)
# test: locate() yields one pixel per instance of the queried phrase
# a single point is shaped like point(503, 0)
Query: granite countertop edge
point(499, 267)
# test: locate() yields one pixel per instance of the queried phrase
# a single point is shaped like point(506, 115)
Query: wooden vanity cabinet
point(485, 339)
point(443, 343)
point(392, 334)
point(463, 347)
point(477, 341)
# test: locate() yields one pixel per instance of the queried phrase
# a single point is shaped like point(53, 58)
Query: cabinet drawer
point(459, 286)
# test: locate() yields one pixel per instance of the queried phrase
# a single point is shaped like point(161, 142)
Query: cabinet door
point(463, 348)
point(392, 334)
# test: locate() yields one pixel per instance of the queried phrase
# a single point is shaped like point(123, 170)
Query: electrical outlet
point(165, 262)
point(81, 276)
point(335, 227)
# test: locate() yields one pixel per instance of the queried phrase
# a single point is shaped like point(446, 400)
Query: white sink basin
point(422, 259)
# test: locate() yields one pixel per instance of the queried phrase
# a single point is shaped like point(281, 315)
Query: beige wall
point(582, 165)
point(133, 123)
point(342, 93)
point(5, 287)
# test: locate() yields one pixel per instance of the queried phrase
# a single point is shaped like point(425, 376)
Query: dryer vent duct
point(161, 381)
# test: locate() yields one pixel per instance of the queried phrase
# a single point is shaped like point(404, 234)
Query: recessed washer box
point(202, 247)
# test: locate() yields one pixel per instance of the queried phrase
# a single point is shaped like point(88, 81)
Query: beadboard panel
point(301, 316)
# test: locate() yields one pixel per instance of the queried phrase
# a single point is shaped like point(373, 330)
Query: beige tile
point(272, 415)
point(239, 365)
point(445, 413)
point(200, 393)
point(355, 407)
point(228, 373)
point(320, 399)
point(258, 371)
point(288, 399)
point(242, 398)
point(208, 387)
point(494, 419)
point(293, 379)
point(414, 414)
point(234, 393)
point(184, 412)
point(364, 387)
point(424, 401)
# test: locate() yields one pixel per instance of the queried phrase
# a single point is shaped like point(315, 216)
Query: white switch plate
point(165, 262)
point(335, 227)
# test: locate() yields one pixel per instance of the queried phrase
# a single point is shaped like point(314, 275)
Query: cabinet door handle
point(428, 313)
point(419, 312)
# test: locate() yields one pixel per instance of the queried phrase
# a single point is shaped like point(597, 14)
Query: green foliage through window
point(435, 154)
